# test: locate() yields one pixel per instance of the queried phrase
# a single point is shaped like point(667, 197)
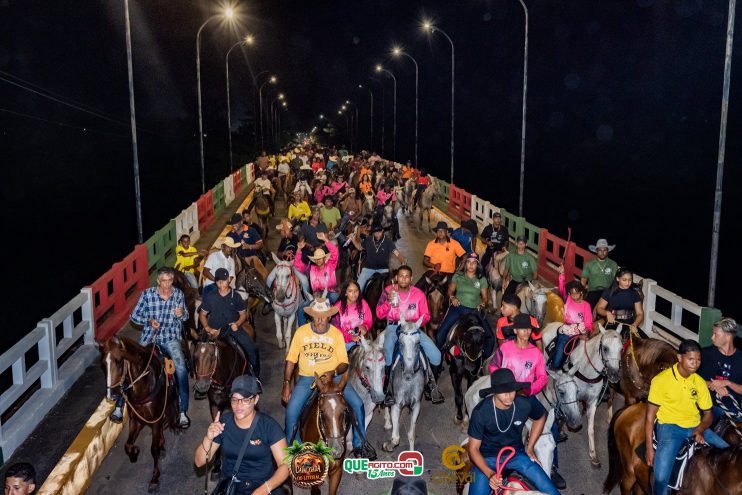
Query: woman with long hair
point(354, 317)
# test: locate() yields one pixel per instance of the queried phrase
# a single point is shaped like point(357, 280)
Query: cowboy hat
point(441, 225)
point(602, 243)
point(502, 381)
point(284, 224)
point(319, 254)
point(321, 307)
point(229, 242)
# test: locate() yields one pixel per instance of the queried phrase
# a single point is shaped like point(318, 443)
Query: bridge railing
point(161, 249)
point(667, 315)
point(187, 223)
point(228, 190)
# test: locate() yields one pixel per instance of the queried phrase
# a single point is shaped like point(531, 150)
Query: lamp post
point(248, 40)
point(383, 111)
point(379, 68)
point(427, 26)
point(397, 51)
point(271, 80)
point(255, 103)
point(523, 117)
point(134, 145)
point(355, 125)
point(720, 159)
point(347, 125)
point(371, 108)
point(272, 118)
point(284, 108)
point(228, 13)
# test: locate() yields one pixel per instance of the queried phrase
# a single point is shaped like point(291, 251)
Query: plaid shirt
point(151, 306)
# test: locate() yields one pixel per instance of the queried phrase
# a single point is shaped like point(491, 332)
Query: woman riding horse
point(354, 317)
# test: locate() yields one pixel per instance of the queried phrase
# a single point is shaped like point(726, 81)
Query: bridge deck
point(435, 429)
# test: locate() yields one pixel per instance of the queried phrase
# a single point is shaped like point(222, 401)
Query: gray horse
point(408, 381)
point(286, 299)
point(367, 377)
point(425, 203)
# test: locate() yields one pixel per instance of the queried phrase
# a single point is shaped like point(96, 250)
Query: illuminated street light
point(271, 80)
point(397, 51)
point(379, 68)
point(247, 40)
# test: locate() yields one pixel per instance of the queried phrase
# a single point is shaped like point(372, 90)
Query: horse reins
point(291, 290)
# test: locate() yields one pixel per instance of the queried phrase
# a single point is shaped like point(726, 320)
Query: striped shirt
point(151, 306)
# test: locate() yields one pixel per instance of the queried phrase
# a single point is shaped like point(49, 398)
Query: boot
point(432, 392)
point(557, 479)
point(388, 388)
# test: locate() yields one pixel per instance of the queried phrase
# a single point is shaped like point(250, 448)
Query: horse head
point(113, 354)
point(470, 339)
point(409, 342)
point(534, 301)
point(205, 362)
point(369, 365)
point(566, 390)
point(436, 295)
point(610, 350)
point(284, 273)
point(252, 281)
point(334, 414)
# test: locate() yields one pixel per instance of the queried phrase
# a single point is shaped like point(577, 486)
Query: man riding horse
point(318, 348)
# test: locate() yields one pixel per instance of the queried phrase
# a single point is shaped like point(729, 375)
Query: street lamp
point(380, 69)
point(355, 125)
point(383, 110)
point(134, 145)
point(247, 40)
point(272, 118)
point(430, 28)
point(229, 14)
point(371, 108)
point(397, 51)
point(523, 117)
point(271, 80)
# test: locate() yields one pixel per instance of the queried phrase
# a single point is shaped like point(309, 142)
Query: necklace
point(399, 294)
point(497, 422)
point(377, 247)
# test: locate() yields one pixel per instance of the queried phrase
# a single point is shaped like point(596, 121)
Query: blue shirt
point(151, 306)
point(464, 237)
point(249, 236)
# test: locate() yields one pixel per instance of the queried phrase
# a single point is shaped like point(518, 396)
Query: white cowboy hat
point(284, 224)
point(229, 242)
point(321, 307)
point(602, 243)
point(319, 254)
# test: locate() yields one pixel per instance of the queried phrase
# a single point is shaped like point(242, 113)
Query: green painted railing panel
point(243, 174)
point(218, 192)
point(709, 316)
point(161, 250)
point(441, 199)
point(532, 234)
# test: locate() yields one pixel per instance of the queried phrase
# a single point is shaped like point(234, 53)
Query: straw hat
point(321, 307)
point(319, 254)
point(229, 242)
point(284, 224)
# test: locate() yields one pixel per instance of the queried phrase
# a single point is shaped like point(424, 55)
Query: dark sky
point(623, 115)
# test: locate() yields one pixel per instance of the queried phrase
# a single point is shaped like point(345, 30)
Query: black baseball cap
point(246, 386)
point(221, 274)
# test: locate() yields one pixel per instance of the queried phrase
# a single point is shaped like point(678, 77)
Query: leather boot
point(435, 395)
point(388, 387)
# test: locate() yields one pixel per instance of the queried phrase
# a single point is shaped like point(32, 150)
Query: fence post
point(709, 316)
point(47, 352)
point(650, 303)
point(87, 315)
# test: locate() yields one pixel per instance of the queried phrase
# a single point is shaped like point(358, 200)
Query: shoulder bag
point(227, 486)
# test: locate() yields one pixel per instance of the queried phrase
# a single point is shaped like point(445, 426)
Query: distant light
point(379, 68)
point(321, 116)
point(284, 103)
point(229, 12)
point(340, 112)
point(427, 26)
point(280, 96)
point(273, 80)
point(249, 39)
point(347, 102)
point(360, 85)
point(396, 50)
point(344, 107)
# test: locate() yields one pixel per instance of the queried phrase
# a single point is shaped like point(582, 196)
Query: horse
point(408, 382)
point(372, 293)
point(409, 192)
point(216, 365)
point(592, 362)
point(434, 286)
point(369, 204)
point(496, 276)
point(287, 297)
point(559, 397)
point(262, 210)
point(329, 420)
point(466, 356)
point(304, 189)
point(642, 361)
point(533, 298)
point(710, 470)
point(425, 204)
point(366, 372)
point(250, 284)
point(152, 400)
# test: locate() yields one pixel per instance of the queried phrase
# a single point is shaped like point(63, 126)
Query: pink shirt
point(350, 319)
point(526, 364)
point(324, 277)
point(382, 196)
point(413, 305)
point(337, 186)
point(574, 312)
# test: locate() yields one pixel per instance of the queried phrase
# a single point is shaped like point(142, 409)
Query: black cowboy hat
point(522, 320)
point(471, 226)
point(441, 225)
point(236, 218)
point(502, 381)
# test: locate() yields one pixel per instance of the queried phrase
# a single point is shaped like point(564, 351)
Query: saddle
point(519, 481)
point(683, 457)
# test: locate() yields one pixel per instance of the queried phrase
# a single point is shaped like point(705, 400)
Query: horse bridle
point(463, 350)
point(558, 402)
point(603, 359)
point(293, 284)
point(216, 360)
point(320, 422)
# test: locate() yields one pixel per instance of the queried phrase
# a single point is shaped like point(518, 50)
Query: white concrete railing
point(54, 379)
point(228, 190)
point(187, 223)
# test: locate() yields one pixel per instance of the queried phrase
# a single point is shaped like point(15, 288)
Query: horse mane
point(655, 356)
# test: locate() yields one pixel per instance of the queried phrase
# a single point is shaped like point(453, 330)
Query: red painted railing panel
point(557, 251)
point(459, 203)
point(116, 292)
point(237, 177)
point(205, 206)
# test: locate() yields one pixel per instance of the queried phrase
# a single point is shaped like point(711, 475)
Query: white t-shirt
point(217, 260)
point(283, 168)
point(265, 184)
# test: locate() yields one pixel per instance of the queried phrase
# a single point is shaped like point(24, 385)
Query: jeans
point(249, 347)
point(555, 434)
point(191, 278)
point(303, 280)
point(520, 463)
point(173, 350)
point(301, 316)
point(367, 274)
point(558, 359)
point(301, 394)
point(669, 440)
point(426, 344)
point(452, 316)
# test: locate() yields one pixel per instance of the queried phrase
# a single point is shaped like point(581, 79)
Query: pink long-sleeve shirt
point(526, 364)
point(412, 306)
point(350, 319)
point(574, 312)
point(382, 196)
point(321, 278)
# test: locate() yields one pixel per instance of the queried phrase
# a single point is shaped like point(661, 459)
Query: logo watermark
point(408, 463)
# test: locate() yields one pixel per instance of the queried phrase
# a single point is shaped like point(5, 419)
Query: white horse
point(303, 187)
point(286, 300)
point(408, 381)
point(592, 363)
point(495, 276)
point(533, 300)
point(425, 203)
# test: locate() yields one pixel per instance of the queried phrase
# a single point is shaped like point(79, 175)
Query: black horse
point(465, 354)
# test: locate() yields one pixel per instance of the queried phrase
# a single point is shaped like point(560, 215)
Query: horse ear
point(365, 344)
point(601, 328)
point(444, 280)
point(531, 285)
point(419, 322)
point(427, 279)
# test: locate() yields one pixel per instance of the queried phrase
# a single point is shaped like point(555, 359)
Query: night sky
point(624, 104)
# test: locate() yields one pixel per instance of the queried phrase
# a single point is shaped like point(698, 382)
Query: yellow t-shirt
point(181, 262)
point(301, 210)
point(678, 398)
point(317, 353)
point(445, 254)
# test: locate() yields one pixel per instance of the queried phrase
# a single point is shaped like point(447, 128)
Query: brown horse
point(263, 211)
point(711, 471)
point(372, 293)
point(136, 373)
point(216, 365)
point(329, 420)
point(435, 287)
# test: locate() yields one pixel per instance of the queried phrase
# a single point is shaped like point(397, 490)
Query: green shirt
point(599, 274)
point(520, 266)
point(468, 290)
point(330, 216)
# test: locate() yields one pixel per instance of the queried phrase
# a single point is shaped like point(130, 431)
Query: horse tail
point(615, 465)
